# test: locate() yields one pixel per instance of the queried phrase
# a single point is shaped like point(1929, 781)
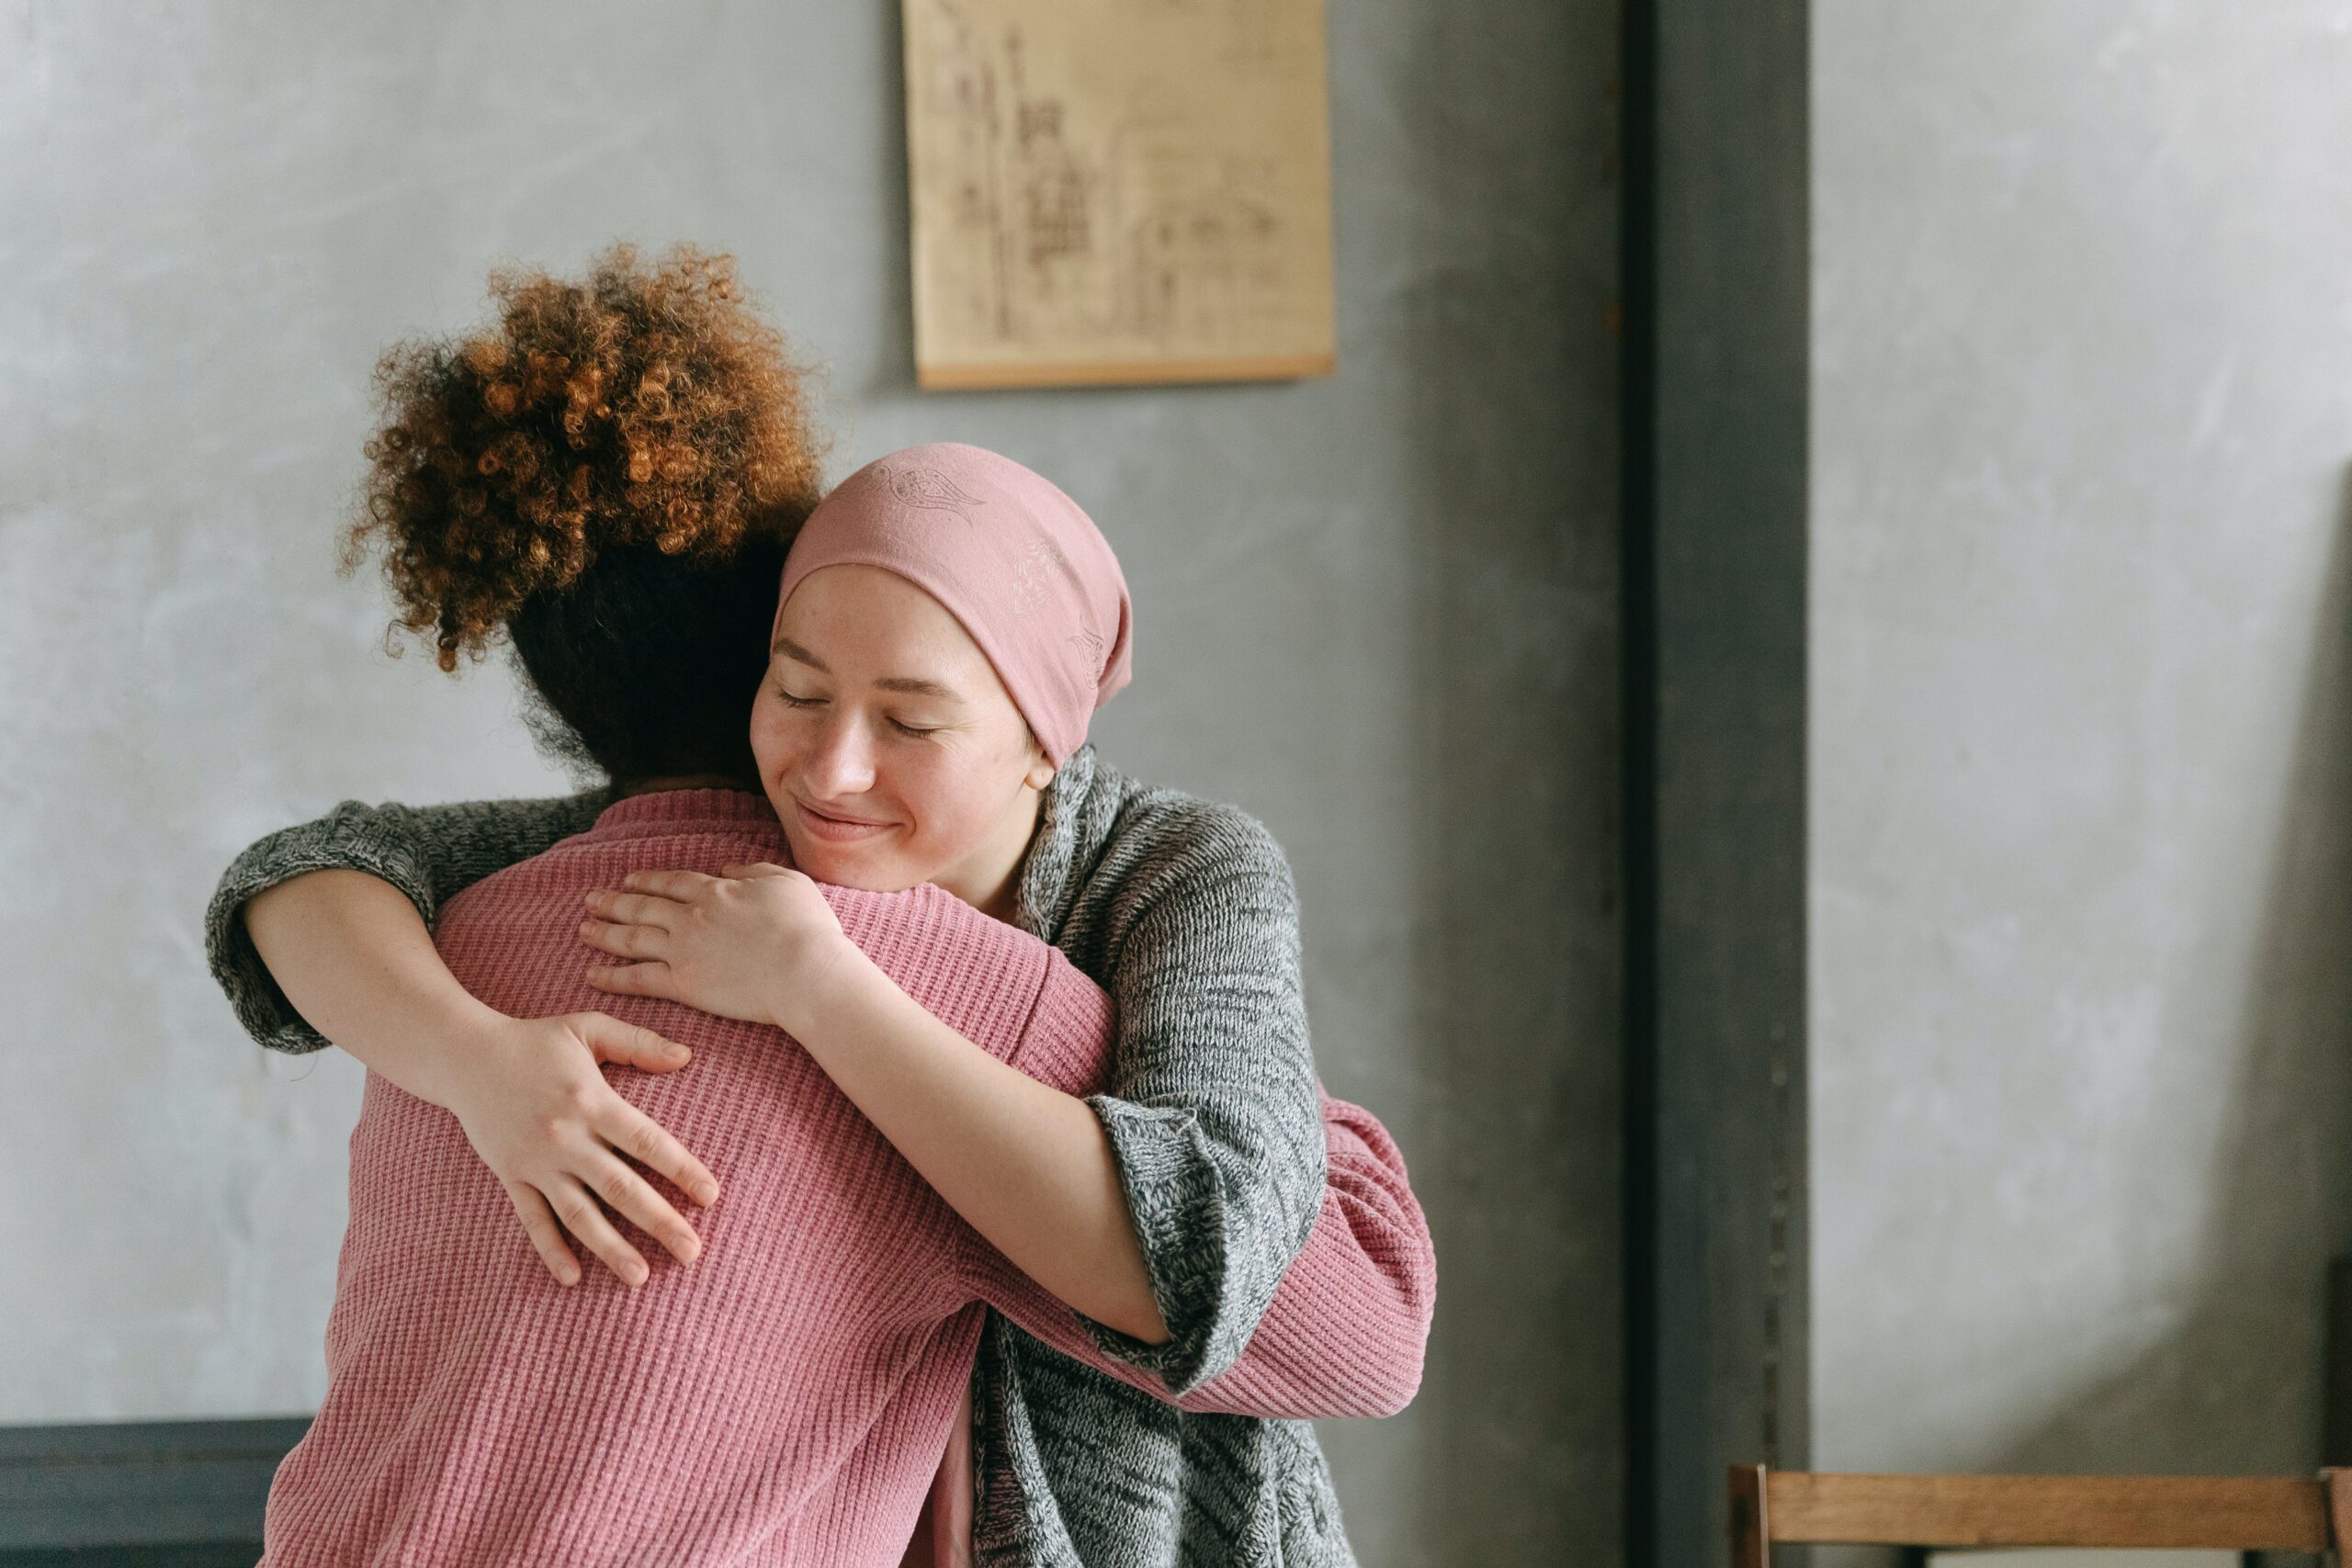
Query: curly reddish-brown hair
point(648, 405)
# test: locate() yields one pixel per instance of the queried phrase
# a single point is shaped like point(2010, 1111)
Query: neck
point(685, 781)
point(990, 877)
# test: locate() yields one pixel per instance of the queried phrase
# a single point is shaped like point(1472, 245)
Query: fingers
point(632, 1197)
point(578, 1211)
point(632, 980)
point(538, 1224)
point(646, 1141)
point(679, 886)
point(630, 942)
point(633, 909)
point(762, 868)
point(627, 1044)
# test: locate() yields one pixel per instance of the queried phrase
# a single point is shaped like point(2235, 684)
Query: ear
point(1041, 767)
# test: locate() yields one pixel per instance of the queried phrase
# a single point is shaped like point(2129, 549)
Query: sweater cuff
point(336, 841)
point(1171, 1187)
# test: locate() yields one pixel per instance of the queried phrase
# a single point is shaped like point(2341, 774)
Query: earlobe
point(1041, 767)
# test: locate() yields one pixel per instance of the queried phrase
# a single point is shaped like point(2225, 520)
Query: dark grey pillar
point(1716, 273)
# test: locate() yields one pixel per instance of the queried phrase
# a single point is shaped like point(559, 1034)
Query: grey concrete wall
point(1378, 611)
point(2081, 767)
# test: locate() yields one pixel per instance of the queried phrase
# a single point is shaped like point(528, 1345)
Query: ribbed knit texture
point(1185, 910)
point(480, 1413)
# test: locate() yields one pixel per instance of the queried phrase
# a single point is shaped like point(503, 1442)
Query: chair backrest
point(2239, 1513)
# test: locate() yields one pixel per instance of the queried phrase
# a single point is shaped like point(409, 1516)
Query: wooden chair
point(2238, 1513)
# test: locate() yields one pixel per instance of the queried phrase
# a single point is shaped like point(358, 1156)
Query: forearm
point(1348, 1326)
point(1027, 1165)
point(357, 961)
point(427, 853)
point(1212, 1103)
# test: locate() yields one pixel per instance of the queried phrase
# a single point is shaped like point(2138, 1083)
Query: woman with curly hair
point(1185, 1263)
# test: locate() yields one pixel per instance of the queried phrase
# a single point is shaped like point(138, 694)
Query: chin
point(830, 864)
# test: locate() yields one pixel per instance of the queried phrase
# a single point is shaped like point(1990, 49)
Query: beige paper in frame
point(1118, 191)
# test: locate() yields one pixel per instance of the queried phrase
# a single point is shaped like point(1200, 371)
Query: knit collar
point(1074, 820)
point(668, 811)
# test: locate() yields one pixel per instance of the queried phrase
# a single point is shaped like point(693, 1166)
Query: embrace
point(1022, 1231)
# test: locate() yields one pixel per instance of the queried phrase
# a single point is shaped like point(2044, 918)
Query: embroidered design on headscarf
point(928, 489)
point(1029, 574)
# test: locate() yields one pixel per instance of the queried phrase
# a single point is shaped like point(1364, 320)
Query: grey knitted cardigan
point(1185, 910)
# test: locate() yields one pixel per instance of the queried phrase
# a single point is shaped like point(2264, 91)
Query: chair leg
point(1751, 1529)
point(2339, 1511)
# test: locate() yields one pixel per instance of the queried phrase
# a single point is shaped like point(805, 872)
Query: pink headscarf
point(1013, 558)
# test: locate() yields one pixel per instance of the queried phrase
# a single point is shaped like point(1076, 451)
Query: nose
point(842, 762)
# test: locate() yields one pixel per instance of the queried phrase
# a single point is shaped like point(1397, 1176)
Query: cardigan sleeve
point(1346, 1330)
point(1212, 1108)
point(428, 852)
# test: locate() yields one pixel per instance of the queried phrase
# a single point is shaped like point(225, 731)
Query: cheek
point(923, 779)
point(774, 736)
point(954, 796)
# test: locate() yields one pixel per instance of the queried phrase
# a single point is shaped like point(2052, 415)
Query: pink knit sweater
point(789, 1397)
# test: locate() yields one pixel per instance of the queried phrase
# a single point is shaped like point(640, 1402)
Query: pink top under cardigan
point(789, 1397)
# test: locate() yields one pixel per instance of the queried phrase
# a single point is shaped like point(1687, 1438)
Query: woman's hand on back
point(537, 1108)
point(756, 942)
point(354, 956)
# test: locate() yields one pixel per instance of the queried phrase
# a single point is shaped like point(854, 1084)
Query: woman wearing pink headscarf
point(947, 623)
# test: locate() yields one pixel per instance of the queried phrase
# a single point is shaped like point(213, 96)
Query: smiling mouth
point(826, 825)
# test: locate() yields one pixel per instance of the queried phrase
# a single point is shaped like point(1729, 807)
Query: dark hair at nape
point(646, 665)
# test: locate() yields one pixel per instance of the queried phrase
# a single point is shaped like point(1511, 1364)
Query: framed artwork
point(1118, 191)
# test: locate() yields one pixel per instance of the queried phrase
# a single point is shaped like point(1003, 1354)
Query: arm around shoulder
point(1213, 1109)
point(1346, 1333)
point(426, 853)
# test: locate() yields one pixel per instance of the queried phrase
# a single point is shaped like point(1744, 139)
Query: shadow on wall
point(2235, 1386)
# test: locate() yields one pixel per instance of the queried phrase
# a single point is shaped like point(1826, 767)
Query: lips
point(836, 829)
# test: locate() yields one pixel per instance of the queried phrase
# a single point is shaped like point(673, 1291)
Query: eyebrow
point(914, 685)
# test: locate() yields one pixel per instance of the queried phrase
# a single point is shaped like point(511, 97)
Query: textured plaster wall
point(2081, 769)
point(1377, 610)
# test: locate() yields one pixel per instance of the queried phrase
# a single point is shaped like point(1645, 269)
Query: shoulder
point(490, 845)
point(1167, 850)
point(1179, 832)
point(496, 831)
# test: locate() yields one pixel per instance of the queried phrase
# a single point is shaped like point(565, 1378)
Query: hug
point(961, 1083)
